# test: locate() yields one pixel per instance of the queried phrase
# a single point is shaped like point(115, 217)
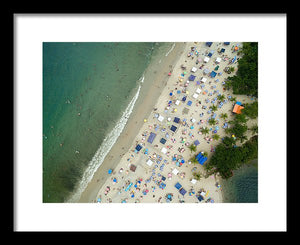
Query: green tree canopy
point(245, 81)
point(251, 110)
point(227, 157)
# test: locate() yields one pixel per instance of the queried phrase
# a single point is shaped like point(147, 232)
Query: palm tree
point(212, 121)
point(192, 147)
point(205, 131)
point(224, 116)
point(197, 176)
point(205, 154)
point(216, 136)
point(231, 69)
point(214, 108)
point(194, 160)
point(233, 99)
point(221, 97)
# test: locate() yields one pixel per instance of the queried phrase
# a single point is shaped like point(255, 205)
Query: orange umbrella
point(236, 48)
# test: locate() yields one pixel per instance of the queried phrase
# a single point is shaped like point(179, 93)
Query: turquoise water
point(242, 187)
point(86, 87)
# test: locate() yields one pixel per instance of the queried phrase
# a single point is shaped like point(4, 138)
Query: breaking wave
point(105, 147)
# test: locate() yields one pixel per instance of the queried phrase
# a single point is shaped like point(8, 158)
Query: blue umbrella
point(109, 171)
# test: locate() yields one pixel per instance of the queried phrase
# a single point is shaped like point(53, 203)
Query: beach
point(150, 174)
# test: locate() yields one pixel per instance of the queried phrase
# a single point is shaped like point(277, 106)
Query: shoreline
point(151, 90)
point(123, 154)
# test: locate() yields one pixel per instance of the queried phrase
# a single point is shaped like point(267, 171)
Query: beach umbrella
point(170, 94)
point(109, 171)
point(169, 74)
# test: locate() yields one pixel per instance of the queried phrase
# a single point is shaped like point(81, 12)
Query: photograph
point(150, 122)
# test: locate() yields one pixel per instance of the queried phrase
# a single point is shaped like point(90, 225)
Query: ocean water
point(242, 187)
point(89, 91)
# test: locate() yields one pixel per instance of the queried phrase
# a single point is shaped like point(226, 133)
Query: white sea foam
point(105, 147)
point(173, 46)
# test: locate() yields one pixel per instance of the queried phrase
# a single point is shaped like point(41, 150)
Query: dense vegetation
point(228, 157)
point(245, 81)
point(251, 110)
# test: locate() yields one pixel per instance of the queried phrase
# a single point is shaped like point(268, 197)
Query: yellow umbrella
point(175, 109)
point(187, 92)
point(145, 120)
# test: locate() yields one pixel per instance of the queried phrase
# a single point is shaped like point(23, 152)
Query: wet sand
point(156, 76)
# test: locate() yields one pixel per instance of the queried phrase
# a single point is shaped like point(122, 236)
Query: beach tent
point(208, 44)
point(239, 103)
point(138, 147)
point(218, 60)
point(182, 191)
point(178, 186)
point(160, 118)
point(191, 78)
point(198, 91)
point(151, 137)
point(203, 193)
point(201, 159)
point(176, 119)
point(206, 71)
point(194, 69)
point(149, 163)
point(173, 128)
point(237, 109)
point(206, 59)
point(226, 43)
point(203, 79)
point(222, 50)
point(164, 150)
point(193, 181)
point(162, 140)
point(213, 74)
point(175, 171)
point(184, 98)
point(177, 102)
point(195, 96)
point(196, 142)
point(200, 198)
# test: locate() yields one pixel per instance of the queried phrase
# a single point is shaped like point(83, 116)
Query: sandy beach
point(150, 174)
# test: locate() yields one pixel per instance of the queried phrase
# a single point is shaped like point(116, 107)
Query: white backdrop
point(270, 212)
